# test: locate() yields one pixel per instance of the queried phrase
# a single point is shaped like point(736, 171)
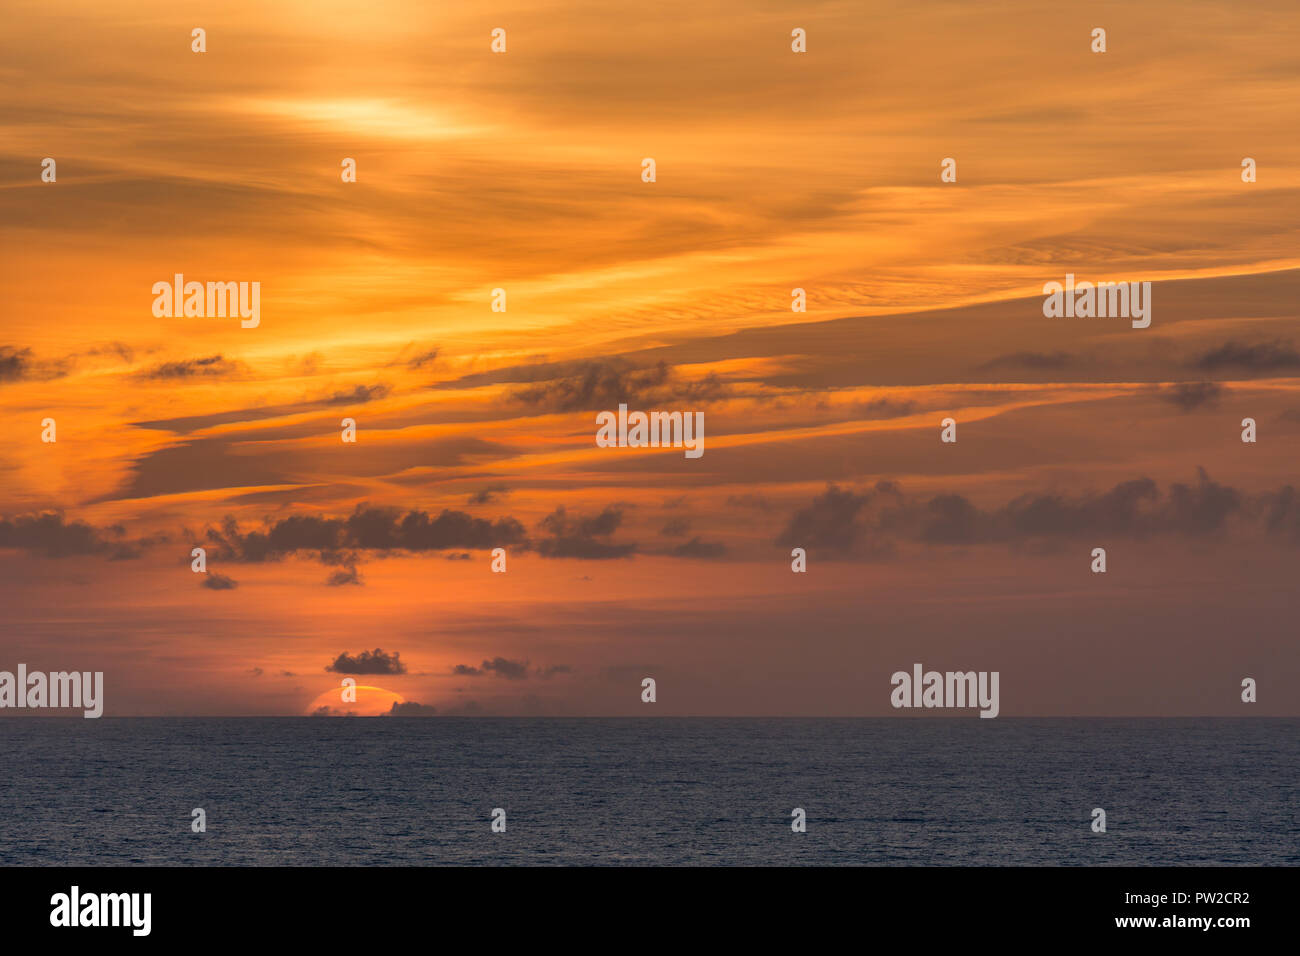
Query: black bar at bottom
point(302, 905)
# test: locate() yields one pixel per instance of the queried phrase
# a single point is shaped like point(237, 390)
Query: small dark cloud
point(582, 536)
point(19, 365)
point(596, 385)
point(603, 385)
point(422, 359)
point(487, 495)
point(368, 662)
point(346, 562)
point(499, 666)
point(325, 710)
point(411, 708)
point(546, 673)
point(14, 363)
point(1190, 396)
point(830, 522)
point(213, 366)
point(1260, 357)
point(359, 395)
point(256, 671)
point(345, 575)
point(216, 581)
point(48, 533)
point(288, 674)
point(510, 670)
point(119, 350)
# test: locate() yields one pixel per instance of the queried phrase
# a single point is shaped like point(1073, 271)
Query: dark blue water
point(649, 791)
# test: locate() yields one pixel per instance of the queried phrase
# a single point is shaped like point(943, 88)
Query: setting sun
point(370, 702)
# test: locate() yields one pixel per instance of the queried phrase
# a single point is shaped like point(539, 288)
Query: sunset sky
point(475, 428)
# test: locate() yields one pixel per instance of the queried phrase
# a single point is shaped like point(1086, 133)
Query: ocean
point(649, 791)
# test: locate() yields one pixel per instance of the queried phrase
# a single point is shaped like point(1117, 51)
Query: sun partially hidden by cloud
point(370, 702)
